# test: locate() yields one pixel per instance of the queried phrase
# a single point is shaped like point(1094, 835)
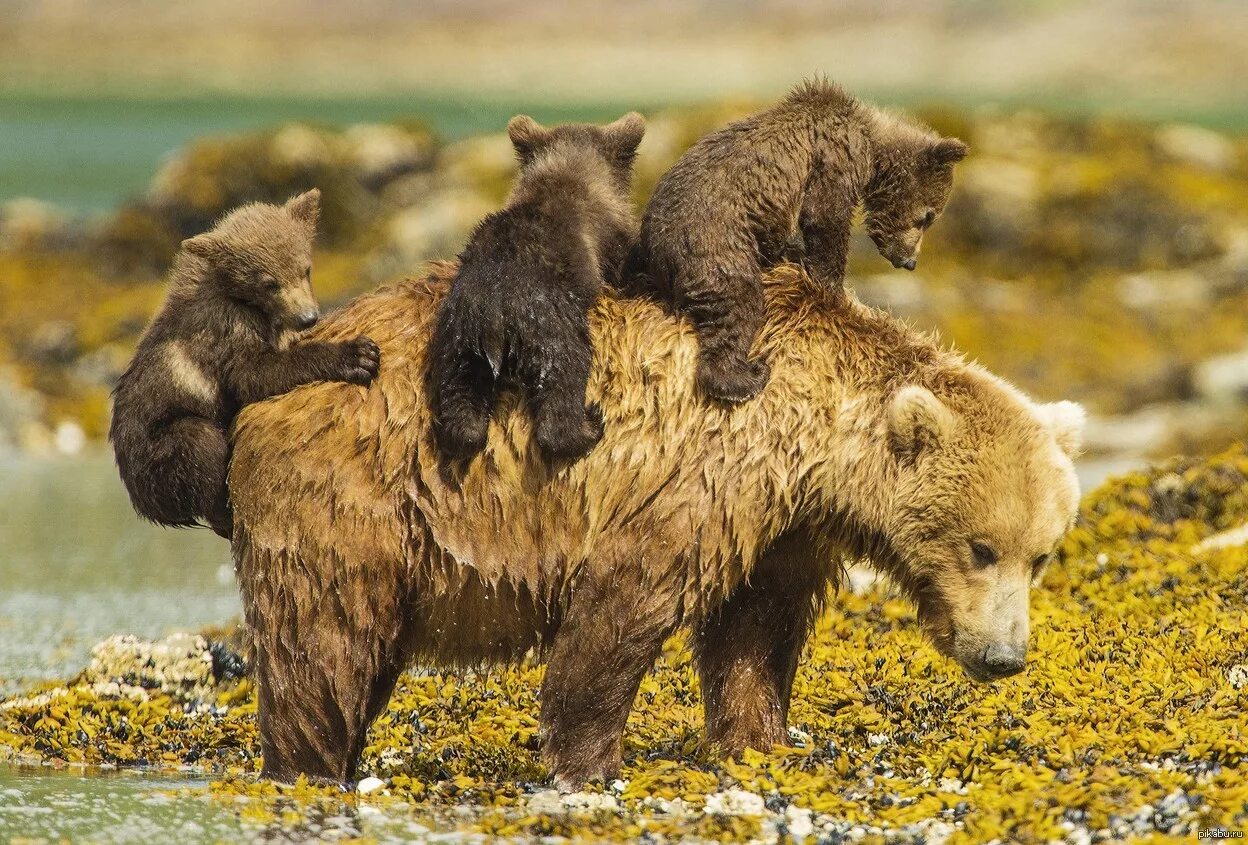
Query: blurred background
point(1096, 248)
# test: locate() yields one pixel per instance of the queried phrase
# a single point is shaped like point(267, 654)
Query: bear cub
point(729, 206)
point(518, 309)
point(238, 296)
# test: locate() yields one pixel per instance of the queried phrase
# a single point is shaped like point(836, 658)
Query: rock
point(1237, 536)
point(1135, 433)
point(437, 227)
point(299, 145)
point(799, 822)
point(1223, 379)
point(180, 665)
point(69, 437)
point(735, 802)
point(1237, 675)
point(20, 410)
point(380, 152)
point(1196, 145)
point(27, 223)
point(1157, 289)
point(369, 785)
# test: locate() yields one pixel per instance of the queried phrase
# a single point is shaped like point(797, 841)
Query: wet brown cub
point(238, 295)
point(728, 208)
point(518, 310)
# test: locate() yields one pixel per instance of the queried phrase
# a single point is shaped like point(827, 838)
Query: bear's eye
point(983, 555)
point(928, 218)
point(1040, 561)
point(269, 283)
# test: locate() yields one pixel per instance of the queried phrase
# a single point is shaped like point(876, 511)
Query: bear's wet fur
point(729, 206)
point(358, 554)
point(518, 309)
point(238, 296)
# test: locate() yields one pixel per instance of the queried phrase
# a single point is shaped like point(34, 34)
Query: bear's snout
point(995, 661)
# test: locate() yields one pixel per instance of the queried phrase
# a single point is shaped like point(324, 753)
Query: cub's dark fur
point(237, 297)
point(518, 308)
point(728, 208)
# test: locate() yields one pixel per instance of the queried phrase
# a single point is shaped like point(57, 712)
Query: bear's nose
point(307, 319)
point(1003, 660)
point(909, 263)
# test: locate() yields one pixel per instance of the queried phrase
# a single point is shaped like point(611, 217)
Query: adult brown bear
point(359, 553)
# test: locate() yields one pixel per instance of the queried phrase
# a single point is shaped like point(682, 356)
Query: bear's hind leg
point(557, 371)
point(747, 649)
point(463, 403)
point(608, 639)
point(727, 314)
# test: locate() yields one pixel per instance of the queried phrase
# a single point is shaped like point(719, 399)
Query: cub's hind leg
point(463, 401)
point(726, 308)
point(556, 370)
point(178, 478)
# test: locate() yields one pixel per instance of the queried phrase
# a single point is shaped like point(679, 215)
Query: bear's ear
point(1066, 420)
point(526, 135)
point(917, 420)
point(305, 207)
point(627, 132)
point(204, 246)
point(947, 152)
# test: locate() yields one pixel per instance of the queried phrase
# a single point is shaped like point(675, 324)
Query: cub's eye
point(1040, 561)
point(982, 554)
point(269, 283)
point(928, 218)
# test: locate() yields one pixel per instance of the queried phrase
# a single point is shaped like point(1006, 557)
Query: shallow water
point(76, 566)
point(109, 807)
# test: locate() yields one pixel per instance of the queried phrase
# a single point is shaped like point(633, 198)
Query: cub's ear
point(526, 135)
point(1066, 420)
point(917, 420)
point(627, 132)
point(947, 152)
point(205, 246)
point(306, 206)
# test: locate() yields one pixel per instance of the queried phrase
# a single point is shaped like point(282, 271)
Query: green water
point(90, 153)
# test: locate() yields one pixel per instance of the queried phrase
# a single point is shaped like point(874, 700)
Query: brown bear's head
point(910, 186)
point(614, 144)
point(261, 255)
point(986, 489)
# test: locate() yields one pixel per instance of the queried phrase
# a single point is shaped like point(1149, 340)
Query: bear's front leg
point(612, 632)
point(747, 649)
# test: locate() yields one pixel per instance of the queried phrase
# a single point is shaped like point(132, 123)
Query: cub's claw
point(362, 360)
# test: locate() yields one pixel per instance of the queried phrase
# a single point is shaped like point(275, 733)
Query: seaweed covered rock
point(354, 169)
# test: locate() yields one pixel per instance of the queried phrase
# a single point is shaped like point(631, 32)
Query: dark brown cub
point(518, 311)
point(225, 337)
point(729, 206)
